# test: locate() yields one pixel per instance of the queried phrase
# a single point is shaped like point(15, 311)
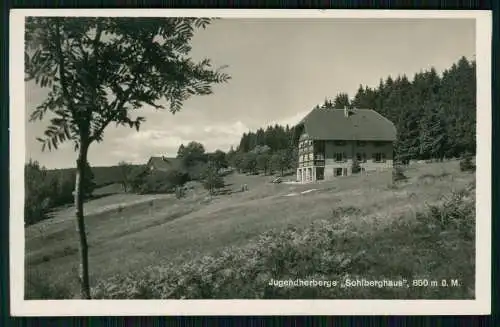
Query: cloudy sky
point(280, 69)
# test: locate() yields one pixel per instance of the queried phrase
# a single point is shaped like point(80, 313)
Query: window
point(339, 143)
point(358, 157)
point(378, 144)
point(361, 143)
point(337, 171)
point(339, 157)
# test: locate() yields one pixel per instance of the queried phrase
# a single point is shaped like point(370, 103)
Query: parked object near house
point(277, 180)
point(331, 139)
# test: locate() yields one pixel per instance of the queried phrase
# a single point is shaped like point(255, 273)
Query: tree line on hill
point(435, 118)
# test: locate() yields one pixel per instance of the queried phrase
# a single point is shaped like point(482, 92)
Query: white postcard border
point(482, 303)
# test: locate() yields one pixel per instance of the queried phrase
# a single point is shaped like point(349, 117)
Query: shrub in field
point(457, 213)
point(466, 164)
point(212, 180)
point(136, 178)
point(345, 211)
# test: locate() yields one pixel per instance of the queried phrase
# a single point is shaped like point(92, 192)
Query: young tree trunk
point(79, 187)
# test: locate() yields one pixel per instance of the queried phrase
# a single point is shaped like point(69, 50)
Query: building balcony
point(319, 162)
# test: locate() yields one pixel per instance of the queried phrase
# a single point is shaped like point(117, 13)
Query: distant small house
point(163, 163)
point(331, 139)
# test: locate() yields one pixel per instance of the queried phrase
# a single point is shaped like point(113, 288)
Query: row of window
point(360, 157)
point(307, 143)
point(306, 150)
point(310, 156)
point(341, 157)
point(305, 174)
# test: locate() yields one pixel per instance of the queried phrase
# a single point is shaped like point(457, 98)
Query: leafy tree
point(218, 158)
point(35, 205)
point(237, 160)
point(212, 180)
point(283, 160)
point(249, 162)
point(137, 177)
point(181, 151)
point(193, 154)
point(176, 177)
point(341, 101)
point(157, 182)
point(62, 188)
point(196, 170)
point(230, 156)
point(261, 149)
point(99, 70)
point(263, 161)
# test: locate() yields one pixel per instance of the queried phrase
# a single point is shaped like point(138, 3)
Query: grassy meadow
point(230, 246)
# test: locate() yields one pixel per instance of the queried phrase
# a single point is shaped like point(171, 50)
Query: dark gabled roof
point(164, 163)
point(362, 124)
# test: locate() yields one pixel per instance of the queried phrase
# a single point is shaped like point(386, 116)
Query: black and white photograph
point(321, 156)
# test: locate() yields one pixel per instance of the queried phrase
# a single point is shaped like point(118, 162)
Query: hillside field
point(149, 246)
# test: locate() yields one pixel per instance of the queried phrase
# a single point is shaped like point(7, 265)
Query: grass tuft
point(39, 287)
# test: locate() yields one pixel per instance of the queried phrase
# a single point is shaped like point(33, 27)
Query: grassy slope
point(174, 231)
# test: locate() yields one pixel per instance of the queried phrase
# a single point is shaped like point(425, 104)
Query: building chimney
point(346, 112)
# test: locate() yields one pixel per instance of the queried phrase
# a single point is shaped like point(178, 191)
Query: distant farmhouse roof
point(353, 124)
point(163, 163)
